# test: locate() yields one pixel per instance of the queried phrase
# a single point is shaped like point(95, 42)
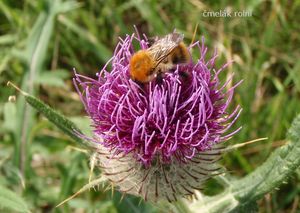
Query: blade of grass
point(96, 46)
point(35, 52)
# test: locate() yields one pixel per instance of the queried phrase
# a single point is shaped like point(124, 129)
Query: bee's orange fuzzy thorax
point(140, 66)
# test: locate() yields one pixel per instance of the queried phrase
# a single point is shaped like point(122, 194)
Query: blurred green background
point(42, 41)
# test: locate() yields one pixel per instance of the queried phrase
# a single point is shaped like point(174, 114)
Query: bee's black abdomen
point(180, 55)
point(176, 59)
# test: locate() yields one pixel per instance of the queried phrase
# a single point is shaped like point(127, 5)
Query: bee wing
point(164, 46)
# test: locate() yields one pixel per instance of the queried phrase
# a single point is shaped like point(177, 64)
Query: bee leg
point(140, 84)
point(172, 70)
point(184, 75)
point(159, 78)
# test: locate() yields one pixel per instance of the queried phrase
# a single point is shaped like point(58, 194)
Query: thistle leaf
point(63, 123)
point(250, 207)
point(280, 165)
point(240, 195)
point(11, 201)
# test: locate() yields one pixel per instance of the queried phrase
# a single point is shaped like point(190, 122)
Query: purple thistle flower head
point(158, 138)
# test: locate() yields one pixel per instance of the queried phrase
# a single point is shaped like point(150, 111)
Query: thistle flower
point(158, 141)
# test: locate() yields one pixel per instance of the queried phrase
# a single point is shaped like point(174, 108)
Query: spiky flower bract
point(158, 140)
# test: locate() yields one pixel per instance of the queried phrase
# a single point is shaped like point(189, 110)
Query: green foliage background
point(41, 42)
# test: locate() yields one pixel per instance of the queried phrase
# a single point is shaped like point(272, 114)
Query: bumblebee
point(160, 57)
